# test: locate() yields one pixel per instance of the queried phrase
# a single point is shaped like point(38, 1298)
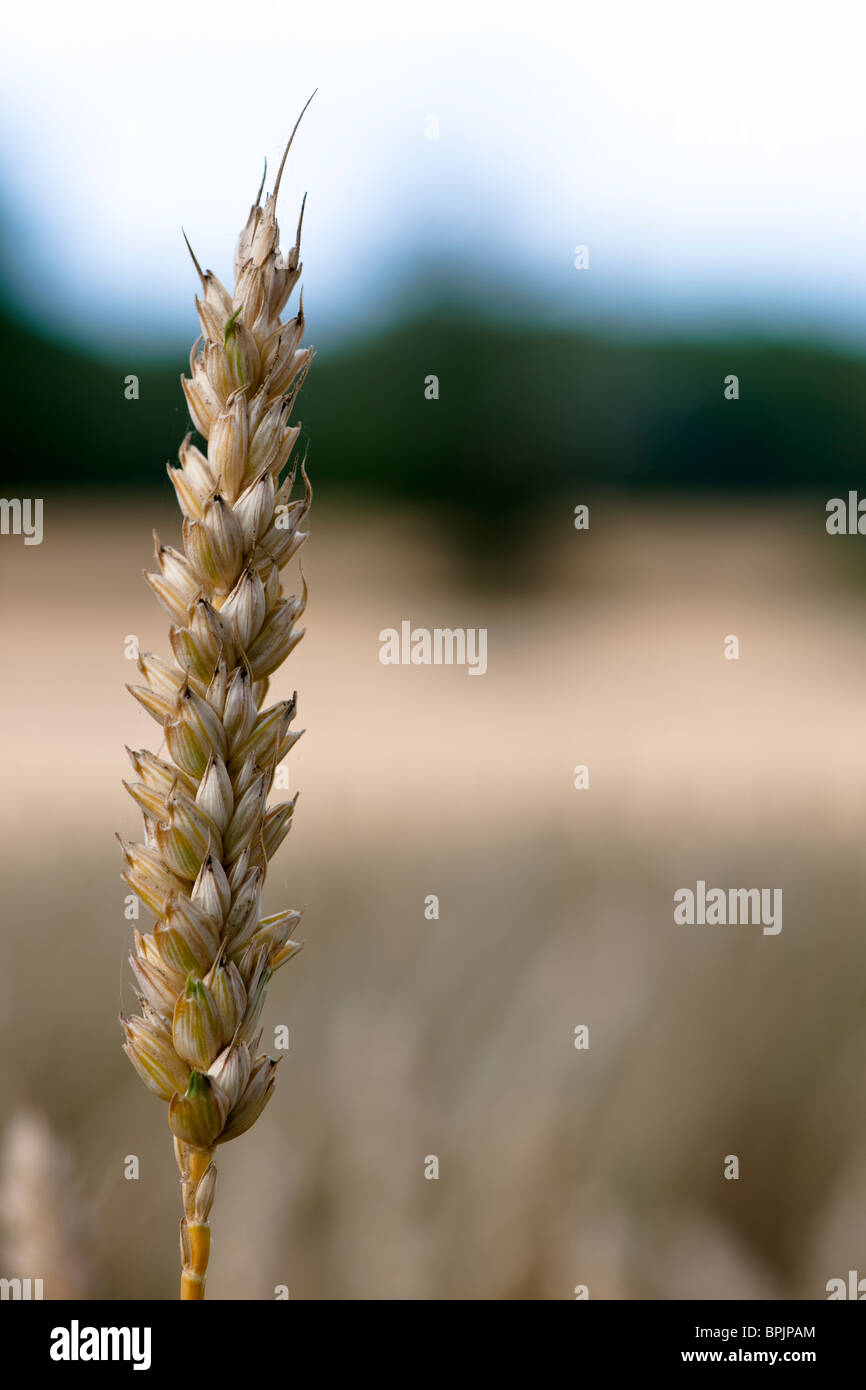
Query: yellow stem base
point(194, 1234)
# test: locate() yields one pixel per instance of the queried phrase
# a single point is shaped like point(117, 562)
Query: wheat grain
point(203, 969)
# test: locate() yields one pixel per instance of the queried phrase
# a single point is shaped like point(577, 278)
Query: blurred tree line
point(524, 415)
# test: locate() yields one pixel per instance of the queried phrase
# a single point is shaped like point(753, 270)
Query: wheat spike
point(203, 969)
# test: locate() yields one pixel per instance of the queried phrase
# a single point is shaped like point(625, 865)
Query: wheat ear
point(203, 970)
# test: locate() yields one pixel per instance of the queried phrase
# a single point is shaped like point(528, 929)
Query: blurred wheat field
point(455, 1037)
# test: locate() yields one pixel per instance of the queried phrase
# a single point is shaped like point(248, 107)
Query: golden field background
point(455, 1037)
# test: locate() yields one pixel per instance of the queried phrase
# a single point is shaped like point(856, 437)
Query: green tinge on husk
point(203, 968)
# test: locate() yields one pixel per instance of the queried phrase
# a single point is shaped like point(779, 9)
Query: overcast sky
point(710, 157)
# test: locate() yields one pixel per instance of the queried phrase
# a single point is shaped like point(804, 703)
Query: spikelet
point(202, 970)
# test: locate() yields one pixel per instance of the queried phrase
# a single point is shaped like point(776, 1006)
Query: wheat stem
point(203, 969)
point(194, 1226)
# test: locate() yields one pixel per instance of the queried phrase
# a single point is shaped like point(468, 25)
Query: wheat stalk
point(203, 970)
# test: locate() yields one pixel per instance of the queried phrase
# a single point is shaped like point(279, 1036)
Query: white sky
point(711, 157)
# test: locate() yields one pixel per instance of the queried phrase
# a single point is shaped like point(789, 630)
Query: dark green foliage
point(524, 415)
